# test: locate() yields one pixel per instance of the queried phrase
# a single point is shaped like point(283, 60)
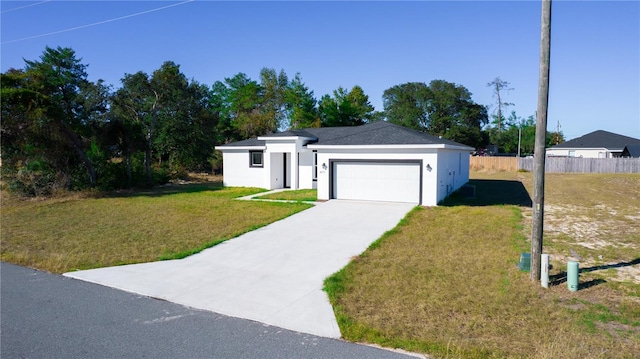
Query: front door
point(286, 175)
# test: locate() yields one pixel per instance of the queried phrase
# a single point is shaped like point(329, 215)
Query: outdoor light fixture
point(429, 167)
point(324, 166)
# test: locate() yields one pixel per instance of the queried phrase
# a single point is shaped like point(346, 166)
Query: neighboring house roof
point(372, 134)
point(599, 139)
point(631, 150)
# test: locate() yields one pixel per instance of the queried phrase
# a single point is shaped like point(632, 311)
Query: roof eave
point(223, 147)
point(586, 148)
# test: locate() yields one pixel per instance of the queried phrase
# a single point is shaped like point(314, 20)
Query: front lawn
point(445, 281)
point(303, 195)
point(69, 233)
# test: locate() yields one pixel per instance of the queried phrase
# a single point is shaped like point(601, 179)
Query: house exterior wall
point(299, 165)
point(583, 152)
point(453, 172)
point(237, 171)
point(443, 170)
point(430, 158)
point(305, 170)
point(275, 167)
point(299, 162)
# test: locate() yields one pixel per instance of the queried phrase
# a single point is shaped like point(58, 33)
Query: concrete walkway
point(273, 275)
point(257, 197)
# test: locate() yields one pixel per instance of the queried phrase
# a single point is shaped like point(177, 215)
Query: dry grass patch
point(596, 216)
point(64, 234)
point(444, 282)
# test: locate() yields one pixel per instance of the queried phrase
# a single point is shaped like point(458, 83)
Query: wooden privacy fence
point(491, 163)
point(585, 165)
point(556, 164)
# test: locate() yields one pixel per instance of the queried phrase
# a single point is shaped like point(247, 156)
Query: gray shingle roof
point(600, 139)
point(376, 133)
point(291, 133)
point(631, 150)
point(379, 133)
point(246, 143)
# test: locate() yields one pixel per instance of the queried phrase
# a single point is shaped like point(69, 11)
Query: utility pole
point(541, 131)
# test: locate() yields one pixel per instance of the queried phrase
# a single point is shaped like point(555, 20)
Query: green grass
point(301, 195)
point(445, 282)
point(75, 232)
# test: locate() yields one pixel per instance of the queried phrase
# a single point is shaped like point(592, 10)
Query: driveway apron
point(272, 275)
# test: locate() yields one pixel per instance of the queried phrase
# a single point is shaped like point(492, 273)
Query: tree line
point(61, 131)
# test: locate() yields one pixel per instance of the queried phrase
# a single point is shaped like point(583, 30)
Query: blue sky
point(595, 55)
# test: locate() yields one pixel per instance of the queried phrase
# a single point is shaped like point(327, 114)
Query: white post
point(294, 169)
point(544, 271)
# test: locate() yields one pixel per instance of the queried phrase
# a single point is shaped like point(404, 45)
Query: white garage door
point(377, 181)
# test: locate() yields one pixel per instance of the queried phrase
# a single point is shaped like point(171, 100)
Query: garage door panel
point(377, 181)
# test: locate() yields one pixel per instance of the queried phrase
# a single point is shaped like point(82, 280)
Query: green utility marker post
point(525, 262)
point(572, 275)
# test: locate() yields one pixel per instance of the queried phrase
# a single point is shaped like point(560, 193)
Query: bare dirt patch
point(594, 218)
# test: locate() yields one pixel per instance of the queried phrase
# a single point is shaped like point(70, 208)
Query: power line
point(22, 7)
point(96, 23)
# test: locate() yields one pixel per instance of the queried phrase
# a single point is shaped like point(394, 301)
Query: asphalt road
point(43, 315)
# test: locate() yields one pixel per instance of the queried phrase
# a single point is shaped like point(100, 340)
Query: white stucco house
point(597, 144)
point(379, 161)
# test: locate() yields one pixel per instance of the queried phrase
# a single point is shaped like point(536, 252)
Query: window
point(315, 165)
point(255, 159)
point(572, 153)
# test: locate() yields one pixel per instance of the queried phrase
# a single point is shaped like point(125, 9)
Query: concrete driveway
point(273, 275)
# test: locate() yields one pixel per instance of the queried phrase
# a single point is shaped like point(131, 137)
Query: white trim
point(283, 138)
point(389, 147)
